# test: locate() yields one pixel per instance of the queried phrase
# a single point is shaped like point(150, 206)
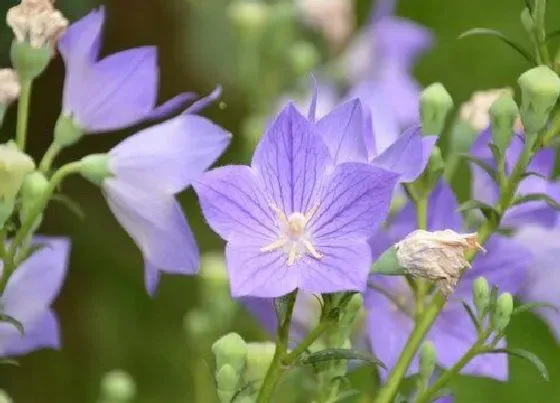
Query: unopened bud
point(259, 357)
point(435, 105)
point(540, 88)
point(118, 386)
point(33, 187)
point(95, 168)
point(14, 166)
point(438, 256)
point(67, 132)
point(304, 57)
point(248, 16)
point(427, 360)
point(227, 380)
point(230, 349)
point(502, 313)
point(481, 294)
point(504, 114)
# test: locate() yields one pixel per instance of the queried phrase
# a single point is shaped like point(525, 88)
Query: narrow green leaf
point(489, 212)
point(472, 316)
point(534, 305)
point(70, 204)
point(529, 5)
point(489, 169)
point(537, 197)
point(12, 321)
point(525, 355)
point(338, 354)
point(496, 153)
point(283, 305)
point(9, 361)
point(553, 35)
point(503, 38)
point(532, 173)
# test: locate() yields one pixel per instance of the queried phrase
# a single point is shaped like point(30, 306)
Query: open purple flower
point(390, 300)
point(140, 177)
point(28, 296)
point(294, 219)
point(117, 91)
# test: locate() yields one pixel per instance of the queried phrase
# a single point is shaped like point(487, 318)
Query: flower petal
point(342, 131)
point(354, 202)
point(34, 285)
point(233, 202)
point(408, 155)
point(151, 277)
point(204, 102)
point(170, 156)
point(292, 160)
point(155, 221)
point(121, 90)
point(43, 332)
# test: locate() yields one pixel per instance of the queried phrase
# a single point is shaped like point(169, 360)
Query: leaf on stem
point(489, 212)
point(472, 316)
point(537, 197)
point(338, 354)
point(70, 204)
point(534, 305)
point(525, 355)
point(489, 169)
point(503, 38)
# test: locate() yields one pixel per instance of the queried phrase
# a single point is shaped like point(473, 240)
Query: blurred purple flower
point(147, 170)
point(486, 190)
point(543, 280)
point(390, 301)
point(28, 296)
point(293, 219)
point(117, 91)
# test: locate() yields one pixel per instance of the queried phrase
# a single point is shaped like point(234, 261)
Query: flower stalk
point(23, 113)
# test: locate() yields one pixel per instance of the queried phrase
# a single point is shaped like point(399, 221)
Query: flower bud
point(67, 132)
point(14, 166)
point(503, 114)
point(481, 294)
point(259, 357)
point(227, 380)
point(4, 398)
point(95, 168)
point(33, 187)
point(304, 57)
point(427, 362)
point(118, 386)
point(438, 256)
point(502, 313)
point(230, 349)
point(248, 16)
point(435, 105)
point(540, 88)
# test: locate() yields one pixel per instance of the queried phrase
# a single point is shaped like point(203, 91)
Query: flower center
point(292, 235)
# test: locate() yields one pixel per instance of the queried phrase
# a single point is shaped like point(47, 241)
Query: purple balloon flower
point(294, 219)
point(28, 296)
point(117, 91)
point(390, 301)
point(146, 171)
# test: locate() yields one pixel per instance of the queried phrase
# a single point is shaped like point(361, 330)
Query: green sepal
point(29, 62)
point(388, 264)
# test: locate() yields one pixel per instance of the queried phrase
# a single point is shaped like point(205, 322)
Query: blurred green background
point(107, 319)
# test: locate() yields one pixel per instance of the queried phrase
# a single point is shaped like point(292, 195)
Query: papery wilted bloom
point(139, 178)
point(390, 301)
point(9, 87)
point(293, 219)
point(28, 296)
point(117, 91)
point(37, 22)
point(438, 256)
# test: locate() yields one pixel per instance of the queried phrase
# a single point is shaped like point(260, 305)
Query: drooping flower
point(28, 296)
point(294, 219)
point(139, 178)
point(117, 91)
point(390, 301)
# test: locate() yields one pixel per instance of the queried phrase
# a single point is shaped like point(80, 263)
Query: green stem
point(23, 113)
point(48, 159)
point(275, 369)
point(421, 223)
point(540, 31)
point(553, 130)
point(307, 341)
point(444, 379)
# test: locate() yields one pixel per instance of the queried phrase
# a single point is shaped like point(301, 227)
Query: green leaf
point(338, 354)
point(489, 169)
point(553, 35)
point(70, 204)
point(9, 361)
point(472, 316)
point(503, 38)
point(534, 305)
point(525, 355)
point(532, 173)
point(496, 153)
point(537, 197)
point(489, 212)
point(12, 321)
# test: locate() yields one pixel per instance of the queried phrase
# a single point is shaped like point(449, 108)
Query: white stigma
point(293, 236)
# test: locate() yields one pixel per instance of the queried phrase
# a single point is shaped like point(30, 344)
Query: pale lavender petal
point(80, 42)
point(408, 156)
point(37, 281)
point(342, 130)
point(312, 112)
point(379, 243)
point(535, 212)
point(293, 161)
point(120, 90)
point(151, 278)
point(234, 204)
point(445, 399)
point(354, 203)
point(204, 102)
point(155, 221)
point(442, 209)
point(263, 310)
point(43, 332)
point(383, 8)
point(171, 106)
point(484, 188)
point(170, 156)
point(401, 92)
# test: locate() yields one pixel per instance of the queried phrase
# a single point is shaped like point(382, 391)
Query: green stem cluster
point(23, 113)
